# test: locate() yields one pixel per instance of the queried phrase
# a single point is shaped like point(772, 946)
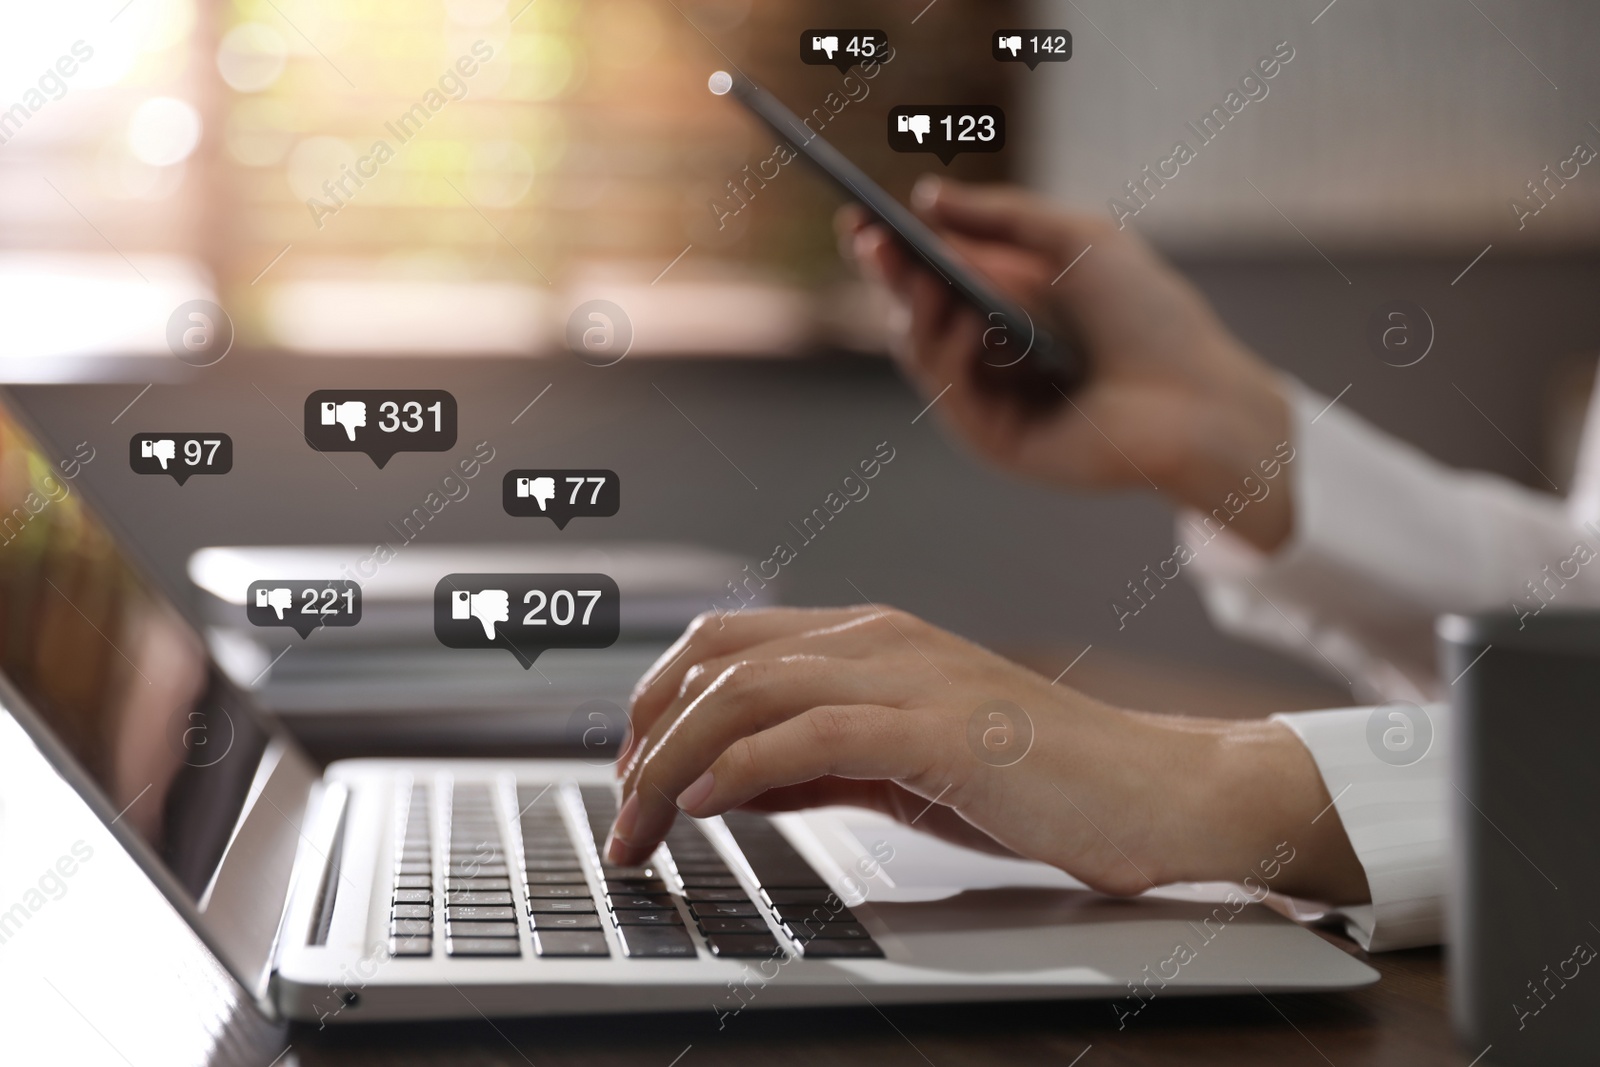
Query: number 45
point(577, 484)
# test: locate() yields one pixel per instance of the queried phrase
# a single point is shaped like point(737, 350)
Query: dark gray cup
point(1524, 907)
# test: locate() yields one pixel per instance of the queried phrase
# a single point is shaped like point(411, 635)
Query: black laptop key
point(855, 948)
point(563, 866)
point(647, 918)
point(700, 866)
point(480, 929)
point(561, 907)
point(733, 895)
point(646, 901)
point(410, 928)
point(413, 867)
point(775, 861)
point(481, 913)
point(559, 892)
point(411, 911)
point(810, 931)
point(656, 942)
point(482, 946)
point(739, 924)
point(413, 881)
point(477, 897)
point(781, 897)
point(564, 922)
point(710, 881)
point(611, 871)
point(815, 913)
point(570, 943)
point(573, 877)
point(744, 946)
point(413, 896)
point(466, 884)
point(723, 909)
point(635, 885)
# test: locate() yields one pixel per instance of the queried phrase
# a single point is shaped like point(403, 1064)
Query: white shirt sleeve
point(1385, 539)
point(1389, 783)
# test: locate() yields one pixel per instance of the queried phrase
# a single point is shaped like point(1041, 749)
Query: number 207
point(556, 601)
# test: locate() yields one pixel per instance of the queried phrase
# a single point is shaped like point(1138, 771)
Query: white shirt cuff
point(1386, 770)
point(1384, 539)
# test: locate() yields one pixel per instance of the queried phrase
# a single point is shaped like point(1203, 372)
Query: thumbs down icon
point(488, 607)
point(540, 489)
point(279, 599)
point(350, 414)
point(1012, 44)
point(829, 44)
point(914, 124)
point(162, 449)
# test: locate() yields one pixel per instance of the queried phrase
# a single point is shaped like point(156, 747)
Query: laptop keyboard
point(479, 916)
point(411, 921)
point(573, 899)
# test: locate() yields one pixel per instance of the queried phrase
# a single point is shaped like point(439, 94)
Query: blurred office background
point(582, 159)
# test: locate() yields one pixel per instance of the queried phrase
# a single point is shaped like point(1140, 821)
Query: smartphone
point(1012, 336)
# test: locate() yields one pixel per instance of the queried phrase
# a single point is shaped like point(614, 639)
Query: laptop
point(382, 889)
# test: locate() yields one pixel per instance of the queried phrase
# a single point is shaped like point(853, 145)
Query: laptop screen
point(115, 673)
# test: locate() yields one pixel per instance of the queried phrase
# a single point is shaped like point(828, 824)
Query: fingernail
point(617, 850)
point(696, 794)
point(926, 190)
point(618, 844)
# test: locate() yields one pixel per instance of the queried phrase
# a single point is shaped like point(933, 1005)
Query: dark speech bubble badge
point(180, 455)
point(561, 495)
point(525, 614)
point(303, 605)
point(380, 422)
point(947, 130)
point(1031, 46)
point(842, 48)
